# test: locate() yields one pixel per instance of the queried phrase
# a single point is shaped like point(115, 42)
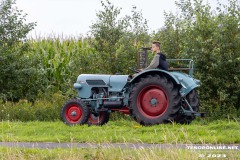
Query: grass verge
point(114, 154)
point(122, 131)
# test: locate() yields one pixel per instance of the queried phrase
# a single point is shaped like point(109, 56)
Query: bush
point(41, 110)
point(19, 77)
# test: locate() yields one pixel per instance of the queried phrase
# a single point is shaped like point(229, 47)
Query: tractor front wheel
point(74, 112)
point(98, 119)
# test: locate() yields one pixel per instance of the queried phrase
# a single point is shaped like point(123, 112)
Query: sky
point(74, 17)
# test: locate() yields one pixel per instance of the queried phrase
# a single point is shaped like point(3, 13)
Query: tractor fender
point(184, 81)
point(187, 82)
point(152, 72)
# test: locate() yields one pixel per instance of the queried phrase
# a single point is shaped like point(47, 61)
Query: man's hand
point(139, 70)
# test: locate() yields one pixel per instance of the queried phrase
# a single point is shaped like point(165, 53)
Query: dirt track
point(50, 145)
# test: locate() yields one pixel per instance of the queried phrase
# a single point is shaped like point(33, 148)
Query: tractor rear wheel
point(193, 100)
point(98, 119)
point(74, 112)
point(154, 100)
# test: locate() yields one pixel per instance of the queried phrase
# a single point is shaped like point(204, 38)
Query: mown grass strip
point(122, 131)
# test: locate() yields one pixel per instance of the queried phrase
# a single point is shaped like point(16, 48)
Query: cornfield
point(61, 60)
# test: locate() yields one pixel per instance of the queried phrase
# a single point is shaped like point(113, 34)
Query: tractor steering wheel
point(134, 70)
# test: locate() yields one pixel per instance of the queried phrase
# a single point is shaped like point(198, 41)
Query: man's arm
point(154, 63)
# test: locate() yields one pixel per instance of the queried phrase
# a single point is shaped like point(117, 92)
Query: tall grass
point(113, 154)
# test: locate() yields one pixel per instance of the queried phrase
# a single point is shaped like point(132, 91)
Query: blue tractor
point(150, 97)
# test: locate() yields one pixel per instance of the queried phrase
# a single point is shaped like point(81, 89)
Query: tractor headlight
point(77, 86)
point(197, 82)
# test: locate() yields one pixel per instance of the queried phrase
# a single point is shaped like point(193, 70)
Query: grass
point(122, 131)
point(114, 154)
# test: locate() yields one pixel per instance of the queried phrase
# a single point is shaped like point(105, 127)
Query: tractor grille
point(95, 82)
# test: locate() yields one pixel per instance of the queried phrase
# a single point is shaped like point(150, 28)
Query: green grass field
point(199, 132)
point(120, 131)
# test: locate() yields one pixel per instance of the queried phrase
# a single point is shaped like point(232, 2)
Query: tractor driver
point(159, 60)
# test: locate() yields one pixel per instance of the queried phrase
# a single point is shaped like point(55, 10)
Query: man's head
point(156, 46)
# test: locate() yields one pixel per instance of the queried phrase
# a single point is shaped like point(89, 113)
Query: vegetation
point(123, 131)
point(211, 38)
point(118, 39)
point(40, 111)
point(107, 153)
point(37, 77)
point(19, 77)
point(36, 70)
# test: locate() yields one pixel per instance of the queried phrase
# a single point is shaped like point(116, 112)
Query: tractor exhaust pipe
point(112, 104)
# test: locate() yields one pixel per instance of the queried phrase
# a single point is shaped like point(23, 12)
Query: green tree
point(117, 40)
point(107, 30)
point(18, 77)
point(210, 37)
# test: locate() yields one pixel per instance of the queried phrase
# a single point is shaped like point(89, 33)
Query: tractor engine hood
point(115, 83)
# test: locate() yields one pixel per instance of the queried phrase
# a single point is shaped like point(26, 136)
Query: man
point(159, 60)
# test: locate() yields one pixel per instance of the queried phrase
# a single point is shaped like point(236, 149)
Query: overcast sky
point(73, 17)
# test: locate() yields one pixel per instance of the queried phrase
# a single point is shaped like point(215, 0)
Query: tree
point(18, 77)
point(116, 39)
point(106, 31)
point(211, 38)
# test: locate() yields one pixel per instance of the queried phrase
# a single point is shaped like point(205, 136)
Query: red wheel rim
point(73, 113)
point(152, 101)
point(95, 119)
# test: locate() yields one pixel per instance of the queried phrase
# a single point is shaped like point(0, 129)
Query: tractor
point(150, 97)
